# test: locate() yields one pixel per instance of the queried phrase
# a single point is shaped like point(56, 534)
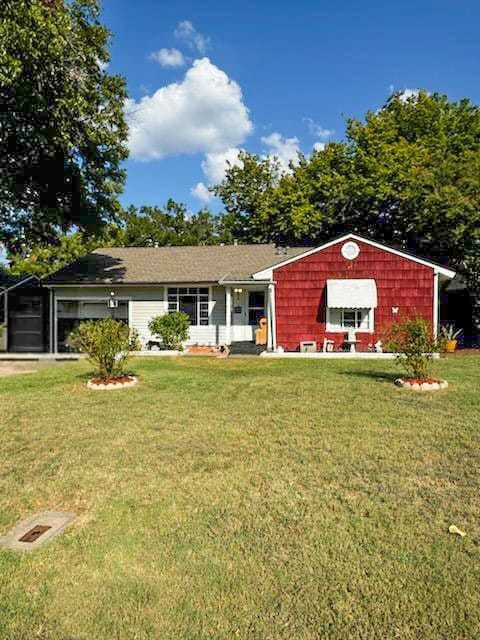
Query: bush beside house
point(171, 328)
point(107, 344)
point(415, 344)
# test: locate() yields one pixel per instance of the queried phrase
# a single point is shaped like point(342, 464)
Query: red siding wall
point(300, 293)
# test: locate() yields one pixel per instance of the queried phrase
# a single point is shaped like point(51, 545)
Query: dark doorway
point(27, 320)
point(457, 307)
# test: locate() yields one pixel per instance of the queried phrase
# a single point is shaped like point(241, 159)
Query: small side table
point(351, 344)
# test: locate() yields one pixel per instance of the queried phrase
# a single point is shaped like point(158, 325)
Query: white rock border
point(112, 385)
point(424, 386)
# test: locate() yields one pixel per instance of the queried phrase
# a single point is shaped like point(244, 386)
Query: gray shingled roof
point(145, 265)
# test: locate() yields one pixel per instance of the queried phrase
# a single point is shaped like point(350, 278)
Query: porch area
point(226, 313)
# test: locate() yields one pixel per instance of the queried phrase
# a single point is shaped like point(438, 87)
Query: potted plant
point(450, 335)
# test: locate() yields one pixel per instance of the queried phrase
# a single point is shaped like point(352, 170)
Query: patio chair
point(328, 345)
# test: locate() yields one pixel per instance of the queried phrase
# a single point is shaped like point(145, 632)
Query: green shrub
point(107, 344)
point(172, 328)
point(415, 345)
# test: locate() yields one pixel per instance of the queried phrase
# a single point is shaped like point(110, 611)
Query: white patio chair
point(328, 345)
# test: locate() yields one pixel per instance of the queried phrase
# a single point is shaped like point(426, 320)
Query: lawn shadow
point(85, 376)
point(387, 376)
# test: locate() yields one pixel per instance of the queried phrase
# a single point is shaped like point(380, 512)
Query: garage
point(24, 313)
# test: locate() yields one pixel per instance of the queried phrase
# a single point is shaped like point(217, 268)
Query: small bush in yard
point(107, 344)
point(415, 345)
point(173, 328)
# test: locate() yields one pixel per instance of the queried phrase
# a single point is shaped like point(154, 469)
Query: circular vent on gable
point(350, 250)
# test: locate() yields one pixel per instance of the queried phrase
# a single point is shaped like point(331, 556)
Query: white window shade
point(351, 294)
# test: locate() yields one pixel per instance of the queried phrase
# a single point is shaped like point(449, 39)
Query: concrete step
point(245, 348)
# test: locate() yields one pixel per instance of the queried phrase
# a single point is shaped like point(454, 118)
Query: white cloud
point(200, 190)
point(215, 164)
point(286, 150)
point(195, 40)
point(103, 66)
point(408, 94)
point(317, 130)
point(319, 146)
point(404, 94)
point(204, 113)
point(168, 57)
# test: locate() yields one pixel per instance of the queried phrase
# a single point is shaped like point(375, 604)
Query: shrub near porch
point(245, 499)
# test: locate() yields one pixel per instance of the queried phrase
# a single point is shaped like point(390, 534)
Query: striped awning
point(351, 294)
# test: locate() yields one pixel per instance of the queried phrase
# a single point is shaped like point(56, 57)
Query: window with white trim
point(349, 319)
point(193, 301)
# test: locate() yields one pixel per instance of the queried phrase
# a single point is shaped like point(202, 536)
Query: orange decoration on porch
point(261, 332)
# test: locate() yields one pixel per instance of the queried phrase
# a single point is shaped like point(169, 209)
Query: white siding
point(214, 333)
point(142, 311)
point(211, 335)
point(218, 306)
point(147, 302)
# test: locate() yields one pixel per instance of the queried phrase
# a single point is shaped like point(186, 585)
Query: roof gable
point(267, 273)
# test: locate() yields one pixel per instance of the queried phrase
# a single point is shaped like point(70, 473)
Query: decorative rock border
point(412, 385)
point(131, 382)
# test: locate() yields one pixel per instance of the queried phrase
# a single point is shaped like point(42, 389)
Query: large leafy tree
point(247, 193)
point(144, 227)
point(409, 174)
point(46, 258)
point(171, 225)
point(415, 176)
point(62, 127)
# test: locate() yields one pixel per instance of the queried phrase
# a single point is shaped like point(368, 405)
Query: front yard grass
point(243, 499)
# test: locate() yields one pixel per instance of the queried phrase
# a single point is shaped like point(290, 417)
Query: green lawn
point(243, 499)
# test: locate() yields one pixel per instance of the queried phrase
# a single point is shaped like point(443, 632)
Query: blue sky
point(208, 78)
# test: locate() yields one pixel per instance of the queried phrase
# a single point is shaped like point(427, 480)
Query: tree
point(62, 126)
point(415, 346)
point(172, 225)
point(416, 175)
point(43, 259)
point(247, 193)
point(107, 344)
point(146, 227)
point(409, 175)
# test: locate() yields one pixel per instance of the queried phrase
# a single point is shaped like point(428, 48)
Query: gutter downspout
point(435, 304)
point(271, 300)
point(228, 315)
point(51, 322)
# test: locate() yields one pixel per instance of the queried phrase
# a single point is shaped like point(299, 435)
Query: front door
point(26, 322)
point(247, 308)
